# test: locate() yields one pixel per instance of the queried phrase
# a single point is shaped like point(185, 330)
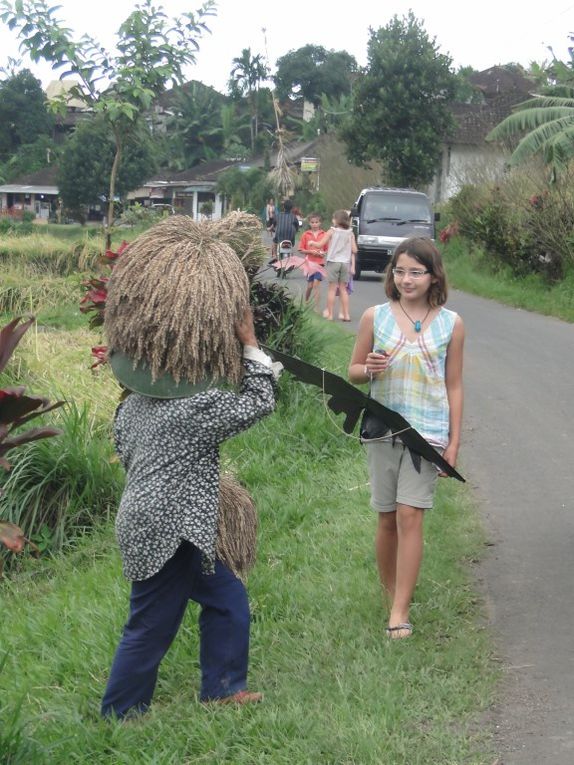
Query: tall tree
point(23, 113)
point(152, 51)
point(247, 72)
point(195, 127)
point(84, 165)
point(401, 110)
point(313, 71)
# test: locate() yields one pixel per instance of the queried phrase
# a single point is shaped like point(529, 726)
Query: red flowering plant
point(16, 410)
point(94, 301)
point(448, 232)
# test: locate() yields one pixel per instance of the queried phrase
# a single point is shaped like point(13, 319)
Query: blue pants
point(157, 606)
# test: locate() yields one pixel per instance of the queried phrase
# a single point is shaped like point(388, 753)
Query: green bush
point(282, 321)
point(529, 232)
point(7, 226)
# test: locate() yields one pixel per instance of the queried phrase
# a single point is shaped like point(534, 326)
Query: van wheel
point(357, 274)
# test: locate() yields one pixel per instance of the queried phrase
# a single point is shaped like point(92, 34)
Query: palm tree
point(195, 129)
point(246, 73)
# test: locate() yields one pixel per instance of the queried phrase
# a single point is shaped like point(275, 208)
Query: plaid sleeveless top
point(414, 382)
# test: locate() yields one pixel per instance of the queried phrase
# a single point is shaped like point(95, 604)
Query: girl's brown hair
point(342, 219)
point(426, 253)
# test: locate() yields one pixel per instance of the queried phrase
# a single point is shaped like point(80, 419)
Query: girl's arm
point(323, 241)
point(454, 391)
point(364, 363)
point(304, 245)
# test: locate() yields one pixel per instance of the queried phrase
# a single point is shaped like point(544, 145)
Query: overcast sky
point(481, 33)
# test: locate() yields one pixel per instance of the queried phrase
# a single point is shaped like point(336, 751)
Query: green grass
point(336, 691)
point(470, 270)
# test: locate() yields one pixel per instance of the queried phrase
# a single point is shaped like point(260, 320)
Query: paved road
point(518, 457)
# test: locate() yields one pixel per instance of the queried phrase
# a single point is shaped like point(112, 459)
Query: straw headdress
point(176, 294)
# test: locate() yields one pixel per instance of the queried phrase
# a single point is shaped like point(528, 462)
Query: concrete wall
point(462, 164)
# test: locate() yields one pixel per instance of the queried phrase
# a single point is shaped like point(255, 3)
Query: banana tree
point(544, 126)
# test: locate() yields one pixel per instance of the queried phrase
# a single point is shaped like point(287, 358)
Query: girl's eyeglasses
point(401, 273)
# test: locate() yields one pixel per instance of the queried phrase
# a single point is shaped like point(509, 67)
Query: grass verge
point(337, 692)
point(470, 270)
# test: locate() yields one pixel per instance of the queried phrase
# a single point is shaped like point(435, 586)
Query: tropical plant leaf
point(34, 434)
point(14, 539)
point(560, 149)
point(10, 336)
point(545, 102)
point(540, 138)
point(529, 120)
point(14, 404)
point(12, 536)
point(46, 408)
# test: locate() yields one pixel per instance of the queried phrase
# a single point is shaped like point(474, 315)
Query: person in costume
point(410, 350)
point(181, 340)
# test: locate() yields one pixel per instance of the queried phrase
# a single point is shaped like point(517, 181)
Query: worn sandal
point(405, 626)
point(241, 697)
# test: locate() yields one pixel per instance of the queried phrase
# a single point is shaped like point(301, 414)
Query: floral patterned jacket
point(170, 451)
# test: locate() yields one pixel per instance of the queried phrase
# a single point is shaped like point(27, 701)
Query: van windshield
point(395, 207)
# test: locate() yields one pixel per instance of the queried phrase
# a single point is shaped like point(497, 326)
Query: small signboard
point(309, 165)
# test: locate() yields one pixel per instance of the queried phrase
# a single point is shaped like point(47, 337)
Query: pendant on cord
point(417, 323)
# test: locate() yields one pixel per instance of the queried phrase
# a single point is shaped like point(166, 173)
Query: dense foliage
point(84, 169)
point(313, 71)
point(522, 222)
point(401, 104)
point(23, 114)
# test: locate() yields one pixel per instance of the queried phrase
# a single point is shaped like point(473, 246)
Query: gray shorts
point(394, 478)
point(337, 273)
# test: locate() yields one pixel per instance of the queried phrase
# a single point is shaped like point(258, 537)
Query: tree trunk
point(253, 121)
point(112, 190)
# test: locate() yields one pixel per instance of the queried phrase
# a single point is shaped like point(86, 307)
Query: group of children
point(336, 250)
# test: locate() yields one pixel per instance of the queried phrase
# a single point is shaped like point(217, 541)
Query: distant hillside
point(341, 181)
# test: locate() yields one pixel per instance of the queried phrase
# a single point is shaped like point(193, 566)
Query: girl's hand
point(245, 330)
point(450, 454)
point(376, 362)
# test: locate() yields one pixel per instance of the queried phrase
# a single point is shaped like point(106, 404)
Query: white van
point(383, 217)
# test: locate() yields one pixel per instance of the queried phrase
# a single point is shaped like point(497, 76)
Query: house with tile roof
point(36, 192)
point(466, 155)
point(188, 190)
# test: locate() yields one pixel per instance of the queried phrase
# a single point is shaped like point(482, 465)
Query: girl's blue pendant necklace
point(418, 323)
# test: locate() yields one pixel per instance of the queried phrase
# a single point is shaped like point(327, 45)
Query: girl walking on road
point(410, 349)
point(340, 265)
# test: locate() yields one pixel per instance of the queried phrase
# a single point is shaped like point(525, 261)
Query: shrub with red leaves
point(17, 409)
